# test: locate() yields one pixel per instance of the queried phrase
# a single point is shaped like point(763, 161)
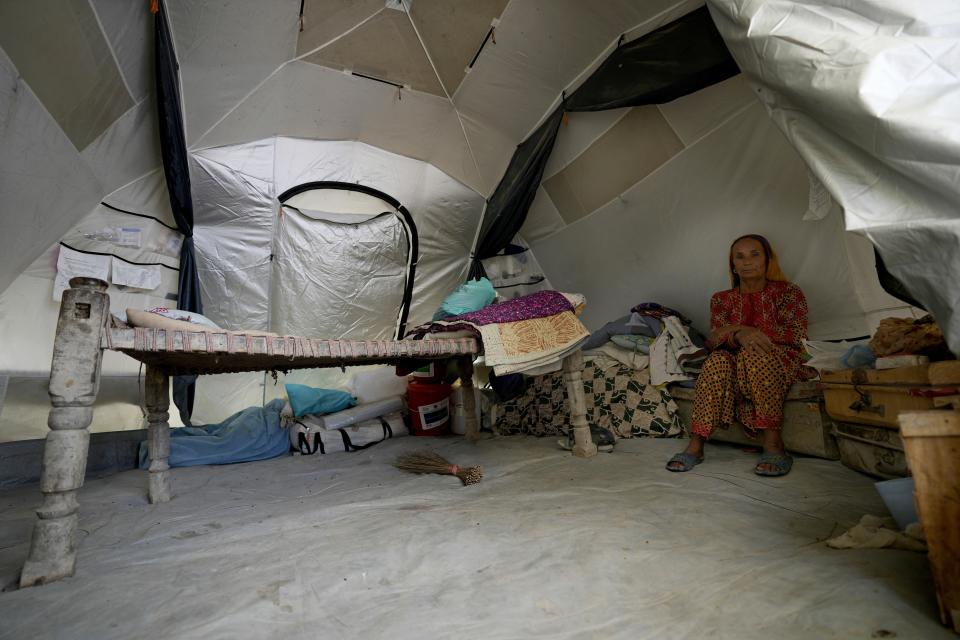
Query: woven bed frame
point(83, 334)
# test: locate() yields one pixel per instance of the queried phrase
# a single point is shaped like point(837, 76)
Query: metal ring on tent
point(410, 228)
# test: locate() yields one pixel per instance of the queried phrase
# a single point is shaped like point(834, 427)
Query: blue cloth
point(306, 400)
point(252, 434)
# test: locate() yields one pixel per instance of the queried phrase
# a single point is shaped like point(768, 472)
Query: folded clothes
point(633, 342)
point(622, 326)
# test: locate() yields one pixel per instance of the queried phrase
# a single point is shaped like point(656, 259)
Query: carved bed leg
point(74, 382)
point(469, 399)
point(158, 433)
point(573, 375)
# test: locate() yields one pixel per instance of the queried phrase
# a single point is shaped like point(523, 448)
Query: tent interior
point(837, 139)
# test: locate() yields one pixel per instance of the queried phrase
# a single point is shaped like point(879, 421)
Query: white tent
point(839, 131)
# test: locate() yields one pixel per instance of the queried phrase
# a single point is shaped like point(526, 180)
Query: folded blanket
point(520, 334)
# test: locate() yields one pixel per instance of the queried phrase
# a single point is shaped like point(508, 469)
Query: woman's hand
point(723, 334)
point(752, 339)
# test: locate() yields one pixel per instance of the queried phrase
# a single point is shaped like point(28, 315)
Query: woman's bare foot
point(694, 448)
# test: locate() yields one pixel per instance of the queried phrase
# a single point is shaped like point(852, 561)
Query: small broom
point(431, 462)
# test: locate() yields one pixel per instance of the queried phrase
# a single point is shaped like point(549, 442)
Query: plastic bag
point(829, 356)
point(472, 295)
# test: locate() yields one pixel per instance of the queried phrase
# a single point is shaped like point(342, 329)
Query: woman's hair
point(774, 272)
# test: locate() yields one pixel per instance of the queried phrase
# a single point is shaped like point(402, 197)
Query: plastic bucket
point(432, 373)
point(429, 406)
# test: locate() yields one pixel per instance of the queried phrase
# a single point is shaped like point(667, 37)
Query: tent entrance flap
point(344, 259)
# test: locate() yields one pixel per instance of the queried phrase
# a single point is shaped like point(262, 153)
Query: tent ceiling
point(452, 31)
point(75, 77)
point(80, 72)
point(385, 46)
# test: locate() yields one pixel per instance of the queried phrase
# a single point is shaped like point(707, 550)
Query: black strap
point(349, 446)
point(303, 445)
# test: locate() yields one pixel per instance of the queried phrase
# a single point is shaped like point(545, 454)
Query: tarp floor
point(546, 546)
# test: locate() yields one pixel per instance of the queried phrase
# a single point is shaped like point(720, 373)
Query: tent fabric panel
point(543, 219)
point(578, 132)
point(445, 211)
point(146, 196)
point(60, 51)
point(233, 233)
point(695, 115)
point(129, 29)
point(491, 148)
point(613, 163)
point(453, 31)
point(46, 185)
point(385, 47)
point(225, 50)
point(338, 281)
point(542, 46)
point(312, 102)
point(128, 149)
point(867, 95)
point(325, 20)
point(666, 239)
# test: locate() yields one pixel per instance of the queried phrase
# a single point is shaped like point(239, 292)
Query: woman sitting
point(757, 333)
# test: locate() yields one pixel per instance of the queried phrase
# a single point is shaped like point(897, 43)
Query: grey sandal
point(781, 461)
point(688, 460)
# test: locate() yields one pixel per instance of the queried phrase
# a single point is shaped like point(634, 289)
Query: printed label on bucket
point(434, 415)
point(424, 372)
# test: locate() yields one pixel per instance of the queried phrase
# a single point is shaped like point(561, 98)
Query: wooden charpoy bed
point(83, 332)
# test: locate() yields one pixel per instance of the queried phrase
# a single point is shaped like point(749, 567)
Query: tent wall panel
point(233, 231)
point(36, 159)
point(225, 50)
point(666, 238)
point(327, 20)
point(452, 31)
point(60, 51)
point(542, 46)
point(614, 162)
point(696, 115)
point(128, 149)
point(543, 219)
point(129, 29)
point(146, 196)
point(578, 133)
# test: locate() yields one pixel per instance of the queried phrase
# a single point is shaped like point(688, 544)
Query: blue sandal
point(688, 460)
point(781, 461)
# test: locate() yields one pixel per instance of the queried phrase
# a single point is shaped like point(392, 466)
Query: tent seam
point(436, 73)
point(113, 54)
point(342, 35)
